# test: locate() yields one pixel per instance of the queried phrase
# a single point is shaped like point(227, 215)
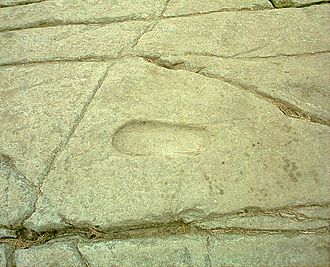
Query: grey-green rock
point(186, 7)
point(64, 12)
point(248, 34)
point(114, 163)
point(40, 104)
point(6, 252)
point(216, 250)
point(53, 254)
point(18, 195)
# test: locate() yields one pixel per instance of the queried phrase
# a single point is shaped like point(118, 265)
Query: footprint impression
point(140, 138)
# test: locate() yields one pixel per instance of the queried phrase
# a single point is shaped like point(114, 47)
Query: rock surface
point(164, 133)
point(18, 194)
point(300, 89)
point(294, 3)
point(39, 106)
point(62, 254)
point(248, 34)
point(63, 12)
point(5, 255)
point(185, 250)
point(187, 7)
point(71, 42)
point(208, 170)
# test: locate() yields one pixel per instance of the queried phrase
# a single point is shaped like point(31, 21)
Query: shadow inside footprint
point(139, 138)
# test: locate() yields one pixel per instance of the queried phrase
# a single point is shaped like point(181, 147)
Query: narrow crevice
point(50, 23)
point(279, 212)
point(61, 60)
point(23, 3)
point(154, 59)
point(75, 124)
point(285, 55)
point(7, 164)
point(273, 3)
point(81, 256)
point(238, 55)
point(32, 211)
point(26, 237)
point(63, 144)
point(164, 9)
point(284, 106)
point(222, 10)
point(149, 28)
point(208, 258)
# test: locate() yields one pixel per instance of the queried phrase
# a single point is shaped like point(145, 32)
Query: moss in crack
point(26, 238)
point(283, 3)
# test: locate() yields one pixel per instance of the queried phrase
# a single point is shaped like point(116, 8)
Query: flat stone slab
point(54, 254)
point(184, 250)
point(39, 106)
point(18, 195)
point(72, 42)
point(164, 133)
point(186, 7)
point(5, 255)
point(300, 82)
point(55, 12)
point(248, 34)
point(161, 145)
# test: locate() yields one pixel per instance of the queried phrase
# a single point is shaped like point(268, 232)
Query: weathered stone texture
point(159, 251)
point(39, 105)
point(262, 222)
point(53, 254)
point(315, 212)
point(5, 255)
point(114, 164)
point(249, 34)
point(186, 7)
point(164, 133)
point(301, 81)
point(273, 250)
point(62, 12)
point(218, 250)
point(17, 196)
point(73, 42)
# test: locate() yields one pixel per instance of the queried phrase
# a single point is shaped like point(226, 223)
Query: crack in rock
point(81, 256)
point(284, 106)
point(63, 144)
point(18, 190)
point(21, 3)
point(59, 23)
point(25, 237)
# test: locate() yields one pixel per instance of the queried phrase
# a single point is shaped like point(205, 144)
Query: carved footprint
point(140, 138)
